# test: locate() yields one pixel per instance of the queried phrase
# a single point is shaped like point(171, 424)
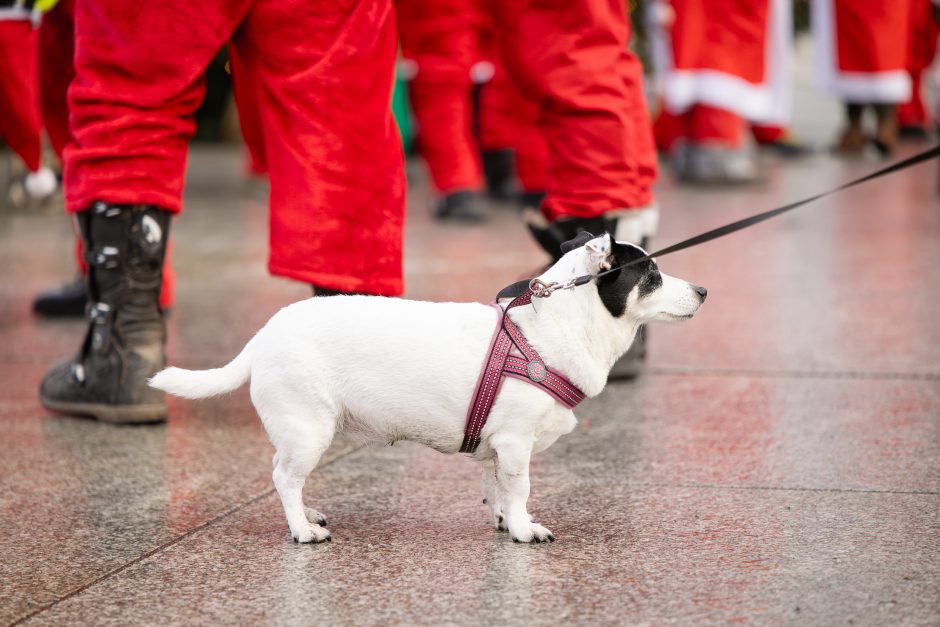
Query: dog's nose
point(701, 291)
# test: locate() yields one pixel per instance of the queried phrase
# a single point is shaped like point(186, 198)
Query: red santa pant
point(19, 102)
point(572, 59)
point(922, 49)
point(56, 71)
point(441, 37)
point(324, 72)
point(509, 120)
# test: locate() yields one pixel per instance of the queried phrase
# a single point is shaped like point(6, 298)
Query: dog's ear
point(599, 253)
point(580, 240)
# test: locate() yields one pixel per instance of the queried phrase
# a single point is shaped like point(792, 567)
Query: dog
point(385, 369)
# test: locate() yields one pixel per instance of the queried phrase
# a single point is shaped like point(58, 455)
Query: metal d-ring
point(541, 289)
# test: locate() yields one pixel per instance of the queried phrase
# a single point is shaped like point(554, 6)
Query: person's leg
point(912, 115)
point(441, 38)
point(249, 115)
point(20, 125)
point(325, 71)
point(56, 71)
point(581, 75)
point(137, 83)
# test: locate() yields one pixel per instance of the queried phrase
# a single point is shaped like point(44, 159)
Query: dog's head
point(639, 293)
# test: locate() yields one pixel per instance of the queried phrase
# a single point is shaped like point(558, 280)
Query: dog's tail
point(195, 384)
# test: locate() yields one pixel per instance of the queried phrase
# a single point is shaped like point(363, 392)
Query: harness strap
point(501, 364)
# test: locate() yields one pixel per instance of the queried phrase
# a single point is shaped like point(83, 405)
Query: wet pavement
point(778, 463)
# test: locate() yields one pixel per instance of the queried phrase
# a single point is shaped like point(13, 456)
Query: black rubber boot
point(65, 301)
point(124, 247)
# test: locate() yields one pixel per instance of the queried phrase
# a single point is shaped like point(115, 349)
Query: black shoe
point(498, 171)
point(65, 301)
point(460, 206)
point(125, 246)
point(630, 366)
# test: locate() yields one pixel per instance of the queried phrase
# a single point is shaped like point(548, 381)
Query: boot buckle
point(98, 313)
point(107, 257)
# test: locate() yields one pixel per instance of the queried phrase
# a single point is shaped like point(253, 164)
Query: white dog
point(386, 369)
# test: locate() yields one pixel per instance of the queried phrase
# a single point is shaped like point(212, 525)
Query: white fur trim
point(40, 184)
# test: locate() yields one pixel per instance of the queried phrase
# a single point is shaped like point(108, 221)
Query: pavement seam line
point(790, 374)
point(767, 488)
point(166, 545)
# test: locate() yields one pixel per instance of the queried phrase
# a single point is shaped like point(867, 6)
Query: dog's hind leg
point(296, 457)
point(512, 482)
point(312, 515)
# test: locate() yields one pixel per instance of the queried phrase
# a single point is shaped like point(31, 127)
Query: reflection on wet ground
point(778, 463)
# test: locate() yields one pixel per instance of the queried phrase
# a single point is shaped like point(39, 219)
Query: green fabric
point(402, 112)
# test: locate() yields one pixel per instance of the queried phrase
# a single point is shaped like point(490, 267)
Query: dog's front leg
point(512, 481)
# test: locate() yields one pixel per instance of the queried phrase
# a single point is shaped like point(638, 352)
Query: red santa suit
point(922, 49)
point(720, 65)
point(862, 48)
point(20, 125)
point(323, 72)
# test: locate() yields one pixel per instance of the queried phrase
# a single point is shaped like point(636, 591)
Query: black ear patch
point(614, 288)
point(580, 240)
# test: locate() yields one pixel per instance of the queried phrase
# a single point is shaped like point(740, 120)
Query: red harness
point(500, 364)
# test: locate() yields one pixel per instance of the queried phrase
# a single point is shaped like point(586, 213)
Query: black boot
point(124, 346)
point(460, 206)
point(498, 168)
point(552, 235)
point(65, 301)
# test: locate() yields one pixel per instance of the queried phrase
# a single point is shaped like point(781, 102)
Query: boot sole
point(115, 414)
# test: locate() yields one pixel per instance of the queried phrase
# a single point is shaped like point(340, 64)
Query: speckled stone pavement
point(778, 463)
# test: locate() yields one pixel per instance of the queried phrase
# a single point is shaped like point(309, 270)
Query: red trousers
point(510, 120)
point(20, 127)
point(445, 40)
point(571, 58)
point(922, 49)
point(323, 72)
point(249, 114)
point(56, 71)
point(442, 38)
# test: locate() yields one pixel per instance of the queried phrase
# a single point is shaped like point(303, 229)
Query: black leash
point(727, 229)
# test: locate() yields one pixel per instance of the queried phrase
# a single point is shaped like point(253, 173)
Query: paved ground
point(778, 463)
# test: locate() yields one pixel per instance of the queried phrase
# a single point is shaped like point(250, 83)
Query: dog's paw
point(500, 522)
point(313, 533)
point(532, 533)
point(315, 517)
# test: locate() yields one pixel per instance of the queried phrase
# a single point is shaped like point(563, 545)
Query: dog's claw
point(484, 500)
